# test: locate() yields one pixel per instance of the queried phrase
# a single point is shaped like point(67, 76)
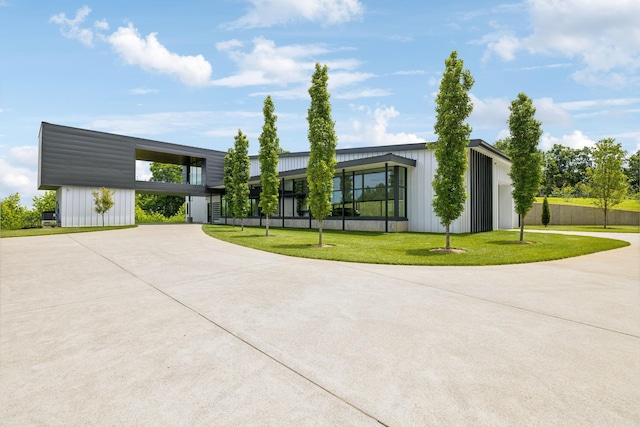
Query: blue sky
point(195, 72)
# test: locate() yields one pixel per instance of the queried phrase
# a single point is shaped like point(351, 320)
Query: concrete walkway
point(163, 325)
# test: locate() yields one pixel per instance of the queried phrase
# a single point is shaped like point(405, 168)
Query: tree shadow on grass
point(301, 246)
point(510, 242)
point(429, 252)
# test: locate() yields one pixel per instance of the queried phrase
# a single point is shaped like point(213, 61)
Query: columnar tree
point(546, 213)
point(268, 157)
point(526, 159)
point(453, 106)
point(227, 181)
point(607, 180)
point(103, 201)
point(241, 166)
point(323, 140)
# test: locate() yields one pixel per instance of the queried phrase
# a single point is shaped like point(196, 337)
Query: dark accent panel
point(73, 156)
point(481, 183)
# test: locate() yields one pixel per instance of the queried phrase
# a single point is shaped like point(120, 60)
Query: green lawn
point(596, 228)
point(495, 247)
point(57, 230)
point(626, 205)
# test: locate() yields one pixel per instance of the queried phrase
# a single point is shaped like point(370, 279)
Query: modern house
point(381, 188)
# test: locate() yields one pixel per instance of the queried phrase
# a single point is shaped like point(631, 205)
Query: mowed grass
point(57, 230)
point(590, 228)
point(491, 248)
point(626, 205)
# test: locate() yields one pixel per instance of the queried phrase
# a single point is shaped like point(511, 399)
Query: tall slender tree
point(607, 180)
point(268, 157)
point(452, 109)
point(229, 160)
point(526, 159)
point(323, 140)
point(241, 166)
point(546, 212)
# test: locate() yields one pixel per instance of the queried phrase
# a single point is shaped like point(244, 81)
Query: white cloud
point(143, 91)
point(150, 55)
point(266, 13)
point(374, 131)
point(290, 65)
point(147, 53)
point(489, 112)
point(70, 28)
point(550, 113)
point(168, 122)
point(574, 140)
point(267, 63)
point(362, 93)
point(18, 173)
point(24, 155)
point(603, 37)
point(494, 112)
point(409, 73)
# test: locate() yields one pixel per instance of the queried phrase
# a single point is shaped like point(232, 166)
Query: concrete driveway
point(163, 325)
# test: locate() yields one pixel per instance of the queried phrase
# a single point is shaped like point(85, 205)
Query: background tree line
point(566, 171)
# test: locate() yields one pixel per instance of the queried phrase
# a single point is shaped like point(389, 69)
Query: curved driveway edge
point(163, 325)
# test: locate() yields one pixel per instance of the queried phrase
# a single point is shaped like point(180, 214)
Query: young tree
point(241, 166)
point(103, 201)
point(608, 182)
point(229, 161)
point(632, 171)
point(546, 213)
point(268, 157)
point(452, 109)
point(323, 140)
point(526, 159)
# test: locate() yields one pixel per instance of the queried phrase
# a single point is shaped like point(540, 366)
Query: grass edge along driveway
point(489, 248)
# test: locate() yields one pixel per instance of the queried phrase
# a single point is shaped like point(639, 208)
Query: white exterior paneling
point(76, 207)
point(420, 214)
point(198, 208)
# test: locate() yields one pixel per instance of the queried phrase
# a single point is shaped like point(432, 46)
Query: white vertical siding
point(420, 214)
point(76, 207)
point(198, 208)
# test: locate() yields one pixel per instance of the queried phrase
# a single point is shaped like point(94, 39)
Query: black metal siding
point(481, 183)
point(73, 156)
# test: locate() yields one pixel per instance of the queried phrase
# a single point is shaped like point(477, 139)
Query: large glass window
point(194, 176)
point(369, 194)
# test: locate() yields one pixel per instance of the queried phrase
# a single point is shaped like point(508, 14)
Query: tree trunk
point(521, 228)
point(103, 220)
point(241, 224)
point(447, 245)
point(605, 218)
point(320, 233)
point(267, 224)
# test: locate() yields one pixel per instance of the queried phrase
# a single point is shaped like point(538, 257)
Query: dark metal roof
point(389, 158)
point(401, 147)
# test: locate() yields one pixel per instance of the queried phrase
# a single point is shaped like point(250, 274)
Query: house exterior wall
point(76, 207)
point(198, 208)
point(420, 214)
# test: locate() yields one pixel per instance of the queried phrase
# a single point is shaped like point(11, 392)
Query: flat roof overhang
point(351, 165)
